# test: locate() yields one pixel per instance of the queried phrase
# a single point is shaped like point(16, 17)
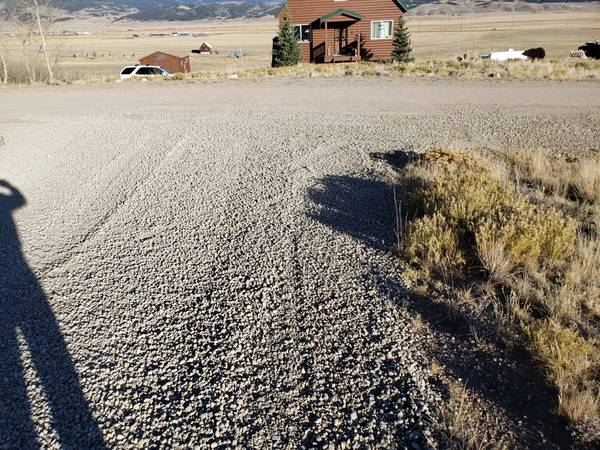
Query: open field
point(112, 46)
point(557, 32)
point(211, 265)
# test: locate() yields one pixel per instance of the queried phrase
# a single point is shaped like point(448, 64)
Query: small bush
point(569, 358)
point(491, 251)
point(478, 209)
point(433, 243)
point(461, 427)
point(530, 221)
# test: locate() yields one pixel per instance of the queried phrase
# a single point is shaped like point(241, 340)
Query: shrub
point(472, 212)
point(433, 243)
point(569, 359)
point(479, 209)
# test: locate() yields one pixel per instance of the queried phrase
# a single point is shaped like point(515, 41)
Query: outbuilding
point(174, 64)
point(205, 49)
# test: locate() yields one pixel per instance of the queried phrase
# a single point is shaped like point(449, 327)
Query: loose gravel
point(214, 271)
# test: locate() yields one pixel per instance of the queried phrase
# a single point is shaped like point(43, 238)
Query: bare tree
point(3, 53)
point(31, 17)
point(3, 50)
point(3, 58)
point(22, 20)
point(44, 48)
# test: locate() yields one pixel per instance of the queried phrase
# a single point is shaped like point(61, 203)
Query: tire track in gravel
point(74, 247)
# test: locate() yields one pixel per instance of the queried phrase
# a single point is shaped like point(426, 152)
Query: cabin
point(345, 30)
point(174, 64)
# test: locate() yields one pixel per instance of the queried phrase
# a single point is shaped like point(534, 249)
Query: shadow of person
point(27, 322)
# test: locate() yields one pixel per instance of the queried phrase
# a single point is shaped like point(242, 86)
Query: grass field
point(112, 45)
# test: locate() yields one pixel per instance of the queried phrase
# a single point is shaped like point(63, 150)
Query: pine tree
point(288, 52)
point(401, 42)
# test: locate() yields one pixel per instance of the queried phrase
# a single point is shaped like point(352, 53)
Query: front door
point(340, 40)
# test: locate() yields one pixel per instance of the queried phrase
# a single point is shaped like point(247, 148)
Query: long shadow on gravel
point(364, 209)
point(27, 322)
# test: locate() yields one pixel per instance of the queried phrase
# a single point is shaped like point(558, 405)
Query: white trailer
point(505, 56)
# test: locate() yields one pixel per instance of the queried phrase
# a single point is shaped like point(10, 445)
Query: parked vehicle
point(508, 55)
point(143, 71)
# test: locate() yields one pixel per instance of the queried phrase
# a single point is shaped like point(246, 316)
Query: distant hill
point(167, 10)
point(458, 7)
point(208, 10)
point(183, 10)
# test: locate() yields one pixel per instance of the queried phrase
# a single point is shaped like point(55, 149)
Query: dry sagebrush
point(495, 221)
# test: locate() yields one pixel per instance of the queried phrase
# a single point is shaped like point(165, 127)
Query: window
point(149, 71)
point(302, 33)
point(381, 29)
point(143, 71)
point(127, 70)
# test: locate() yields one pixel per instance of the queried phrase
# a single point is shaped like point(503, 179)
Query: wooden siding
point(172, 63)
point(305, 47)
point(306, 12)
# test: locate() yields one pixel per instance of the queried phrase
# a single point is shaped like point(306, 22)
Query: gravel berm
point(209, 265)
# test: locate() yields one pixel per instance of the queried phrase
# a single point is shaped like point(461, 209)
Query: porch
point(335, 37)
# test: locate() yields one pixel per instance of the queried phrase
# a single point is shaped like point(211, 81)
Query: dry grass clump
point(570, 359)
point(535, 259)
point(567, 177)
point(19, 73)
point(461, 427)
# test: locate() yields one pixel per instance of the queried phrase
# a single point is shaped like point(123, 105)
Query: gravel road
point(208, 265)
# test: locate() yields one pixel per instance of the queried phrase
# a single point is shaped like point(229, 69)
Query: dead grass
point(491, 252)
point(462, 429)
point(566, 177)
point(565, 69)
point(517, 225)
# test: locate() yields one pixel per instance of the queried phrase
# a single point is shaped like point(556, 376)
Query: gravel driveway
point(209, 265)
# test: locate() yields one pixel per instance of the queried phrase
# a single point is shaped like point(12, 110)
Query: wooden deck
point(341, 58)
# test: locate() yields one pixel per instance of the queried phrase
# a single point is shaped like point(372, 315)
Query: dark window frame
point(303, 33)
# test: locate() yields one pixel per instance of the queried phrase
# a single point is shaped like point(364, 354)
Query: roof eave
point(401, 5)
point(346, 12)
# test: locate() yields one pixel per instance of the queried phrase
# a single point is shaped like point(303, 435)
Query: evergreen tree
point(287, 52)
point(401, 42)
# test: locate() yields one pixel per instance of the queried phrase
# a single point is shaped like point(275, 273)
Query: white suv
point(143, 71)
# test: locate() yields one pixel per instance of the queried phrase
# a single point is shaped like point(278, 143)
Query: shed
point(174, 64)
point(205, 49)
